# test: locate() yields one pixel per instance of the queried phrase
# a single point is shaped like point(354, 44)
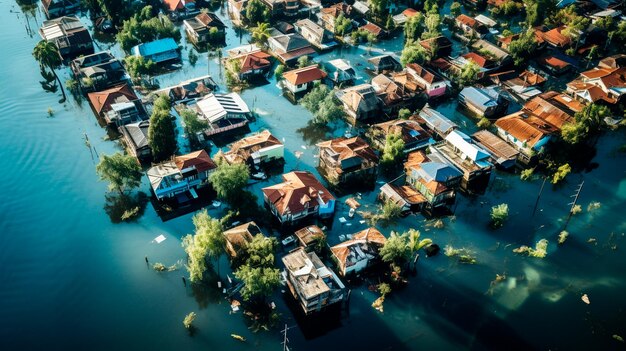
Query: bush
point(499, 215)
point(527, 174)
point(187, 322)
point(561, 173)
point(540, 250)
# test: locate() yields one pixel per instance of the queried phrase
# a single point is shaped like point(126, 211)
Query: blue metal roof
point(440, 172)
point(155, 47)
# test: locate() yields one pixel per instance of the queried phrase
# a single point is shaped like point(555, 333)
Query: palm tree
point(261, 33)
point(47, 54)
point(415, 244)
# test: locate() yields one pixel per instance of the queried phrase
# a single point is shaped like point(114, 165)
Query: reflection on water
point(125, 207)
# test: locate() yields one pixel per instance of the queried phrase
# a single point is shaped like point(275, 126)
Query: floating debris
point(593, 205)
point(159, 239)
point(378, 304)
point(618, 338)
point(585, 299)
point(463, 255)
point(238, 337)
point(592, 241)
point(234, 305)
point(562, 237)
point(540, 250)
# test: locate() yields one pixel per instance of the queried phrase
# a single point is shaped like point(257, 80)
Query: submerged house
point(118, 105)
point(392, 95)
point(252, 64)
point(360, 252)
point(360, 102)
point(328, 15)
point(439, 124)
point(600, 84)
point(204, 28)
point(497, 54)
point(302, 79)
point(527, 133)
point(340, 72)
point(435, 180)
point(483, 102)
point(460, 151)
point(310, 237)
point(384, 63)
point(410, 131)
point(502, 154)
point(299, 196)
point(58, 8)
point(554, 65)
point(237, 238)
point(255, 150)
point(158, 51)
point(180, 8)
point(317, 35)
point(181, 176)
point(311, 283)
point(223, 112)
point(470, 27)
point(440, 46)
point(430, 82)
point(195, 88)
point(288, 48)
point(98, 71)
point(135, 136)
point(344, 160)
point(69, 35)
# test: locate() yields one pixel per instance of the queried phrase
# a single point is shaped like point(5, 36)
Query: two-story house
point(317, 35)
point(98, 71)
point(204, 28)
point(301, 80)
point(299, 196)
point(311, 283)
point(432, 84)
point(70, 36)
point(255, 150)
point(360, 252)
point(181, 176)
point(344, 160)
point(360, 102)
point(433, 179)
point(118, 105)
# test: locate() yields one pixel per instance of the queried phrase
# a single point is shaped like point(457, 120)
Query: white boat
point(351, 212)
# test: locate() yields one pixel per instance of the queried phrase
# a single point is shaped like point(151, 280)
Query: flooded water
point(72, 279)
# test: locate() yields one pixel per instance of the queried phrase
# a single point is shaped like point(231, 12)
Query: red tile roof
point(297, 190)
point(304, 75)
point(198, 159)
point(424, 73)
point(466, 20)
point(352, 147)
point(102, 100)
point(478, 59)
point(372, 28)
point(254, 60)
point(527, 129)
point(555, 37)
point(174, 5)
point(555, 62)
point(410, 12)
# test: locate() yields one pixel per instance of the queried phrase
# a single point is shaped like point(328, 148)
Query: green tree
point(413, 54)
point(587, 122)
point(47, 54)
point(395, 250)
point(257, 12)
point(523, 47)
point(303, 61)
point(414, 242)
point(193, 124)
point(414, 27)
point(393, 150)
point(342, 24)
point(137, 66)
point(499, 215)
point(229, 180)
point(114, 9)
point(538, 10)
point(162, 130)
point(278, 72)
point(188, 321)
point(404, 113)
point(469, 73)
point(261, 33)
point(143, 27)
point(321, 102)
point(207, 242)
point(384, 289)
point(121, 171)
point(258, 282)
point(455, 9)
point(260, 251)
point(433, 24)
point(561, 173)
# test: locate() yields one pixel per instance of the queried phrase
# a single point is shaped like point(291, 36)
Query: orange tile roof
point(466, 20)
point(253, 60)
point(102, 100)
point(372, 28)
point(200, 159)
point(555, 37)
point(422, 72)
point(555, 62)
point(369, 236)
point(527, 129)
point(352, 147)
point(297, 190)
point(532, 78)
point(304, 75)
point(480, 60)
point(174, 5)
point(410, 12)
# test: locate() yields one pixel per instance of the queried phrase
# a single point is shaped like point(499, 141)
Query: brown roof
point(243, 148)
point(480, 60)
point(550, 110)
point(372, 28)
point(253, 60)
point(414, 159)
point(304, 75)
point(525, 128)
point(310, 234)
point(466, 20)
point(495, 144)
point(174, 5)
point(210, 20)
point(531, 78)
point(352, 147)
point(238, 237)
point(410, 12)
point(554, 62)
point(297, 189)
point(410, 130)
point(555, 37)
point(102, 100)
point(336, 9)
point(199, 159)
point(369, 236)
point(423, 72)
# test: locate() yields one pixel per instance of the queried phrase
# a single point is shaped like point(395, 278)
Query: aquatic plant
point(527, 174)
point(562, 237)
point(540, 250)
point(462, 254)
point(388, 212)
point(576, 209)
point(188, 321)
point(193, 57)
point(593, 205)
point(384, 289)
point(499, 214)
point(561, 173)
point(439, 224)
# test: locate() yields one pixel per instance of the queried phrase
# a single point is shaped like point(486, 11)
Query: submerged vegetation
point(499, 215)
point(462, 254)
point(539, 251)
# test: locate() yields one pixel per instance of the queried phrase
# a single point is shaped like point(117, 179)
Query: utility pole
point(573, 203)
point(539, 196)
point(285, 339)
